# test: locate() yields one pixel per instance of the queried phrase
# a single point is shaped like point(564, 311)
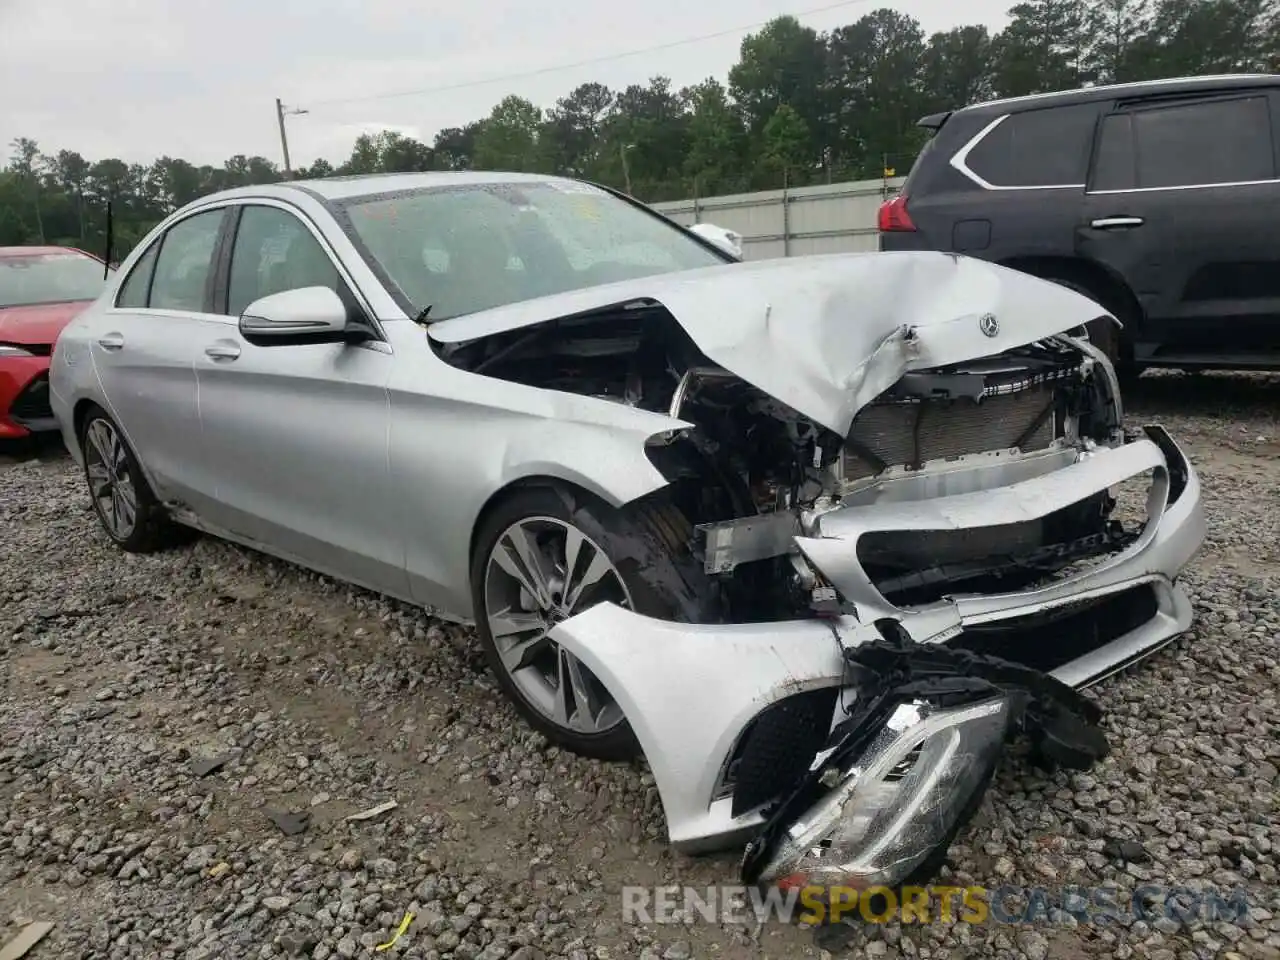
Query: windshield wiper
point(421, 318)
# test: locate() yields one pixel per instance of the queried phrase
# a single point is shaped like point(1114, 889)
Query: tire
point(650, 570)
point(117, 487)
point(1103, 334)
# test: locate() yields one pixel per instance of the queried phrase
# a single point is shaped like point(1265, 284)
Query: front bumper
point(24, 397)
point(690, 691)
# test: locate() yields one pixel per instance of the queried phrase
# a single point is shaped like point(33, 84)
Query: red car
point(41, 290)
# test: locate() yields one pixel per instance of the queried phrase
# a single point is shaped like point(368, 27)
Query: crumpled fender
point(689, 690)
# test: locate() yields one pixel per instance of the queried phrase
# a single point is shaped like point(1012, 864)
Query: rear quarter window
point(1037, 148)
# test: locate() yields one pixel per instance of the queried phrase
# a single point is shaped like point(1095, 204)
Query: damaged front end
point(908, 496)
point(902, 773)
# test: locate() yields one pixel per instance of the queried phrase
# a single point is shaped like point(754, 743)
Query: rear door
point(1184, 204)
point(144, 349)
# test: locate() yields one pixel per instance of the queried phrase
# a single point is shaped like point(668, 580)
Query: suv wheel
point(1103, 334)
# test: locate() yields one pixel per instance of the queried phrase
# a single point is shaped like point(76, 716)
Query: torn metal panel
point(826, 334)
point(733, 542)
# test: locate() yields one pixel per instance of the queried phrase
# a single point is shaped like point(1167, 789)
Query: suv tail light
point(893, 217)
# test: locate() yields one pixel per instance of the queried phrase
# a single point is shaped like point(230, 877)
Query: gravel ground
point(122, 674)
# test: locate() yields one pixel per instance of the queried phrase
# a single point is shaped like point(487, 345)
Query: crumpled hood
point(828, 334)
point(38, 324)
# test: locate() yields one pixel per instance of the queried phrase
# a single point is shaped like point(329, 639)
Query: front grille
point(911, 567)
point(33, 402)
point(777, 747)
point(1049, 640)
point(913, 432)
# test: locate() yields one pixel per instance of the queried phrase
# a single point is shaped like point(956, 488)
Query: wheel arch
point(80, 413)
point(565, 481)
point(1110, 289)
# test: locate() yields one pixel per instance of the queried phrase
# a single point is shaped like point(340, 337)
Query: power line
point(580, 63)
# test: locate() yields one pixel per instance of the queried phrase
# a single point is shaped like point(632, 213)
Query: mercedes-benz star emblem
point(988, 324)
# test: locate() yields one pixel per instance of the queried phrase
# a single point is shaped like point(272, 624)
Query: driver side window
point(274, 252)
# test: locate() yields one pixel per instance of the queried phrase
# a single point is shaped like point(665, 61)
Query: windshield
point(49, 278)
point(462, 249)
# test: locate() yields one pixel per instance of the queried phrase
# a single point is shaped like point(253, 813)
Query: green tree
point(785, 63)
point(784, 142)
point(1043, 48)
point(509, 138)
point(574, 130)
point(877, 79)
point(1117, 29)
point(957, 68)
point(717, 141)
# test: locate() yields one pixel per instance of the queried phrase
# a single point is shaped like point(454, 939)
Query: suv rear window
point(1037, 148)
point(1187, 144)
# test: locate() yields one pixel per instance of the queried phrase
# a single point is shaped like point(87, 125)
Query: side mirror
point(305, 315)
point(730, 241)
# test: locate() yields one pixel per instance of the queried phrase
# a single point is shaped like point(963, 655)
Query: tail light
point(893, 217)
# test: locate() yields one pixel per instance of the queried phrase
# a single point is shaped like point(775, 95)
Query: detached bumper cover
point(897, 779)
point(690, 692)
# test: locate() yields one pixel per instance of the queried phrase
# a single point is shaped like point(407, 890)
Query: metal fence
point(832, 218)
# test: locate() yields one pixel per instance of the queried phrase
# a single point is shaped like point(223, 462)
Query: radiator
point(914, 432)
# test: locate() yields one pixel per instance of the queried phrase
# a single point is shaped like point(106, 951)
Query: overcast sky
point(138, 79)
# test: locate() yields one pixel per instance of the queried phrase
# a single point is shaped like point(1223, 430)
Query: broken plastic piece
point(208, 765)
point(373, 811)
point(290, 823)
point(404, 925)
point(902, 774)
point(27, 938)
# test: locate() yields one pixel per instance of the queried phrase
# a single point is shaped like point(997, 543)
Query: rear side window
point(186, 257)
point(133, 292)
point(1183, 145)
point(1037, 148)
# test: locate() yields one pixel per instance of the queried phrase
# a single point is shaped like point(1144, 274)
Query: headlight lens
point(899, 801)
point(9, 350)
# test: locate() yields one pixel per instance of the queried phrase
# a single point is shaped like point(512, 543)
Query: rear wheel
point(121, 496)
point(546, 554)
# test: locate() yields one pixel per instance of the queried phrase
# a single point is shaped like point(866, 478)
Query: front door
point(1183, 204)
point(295, 436)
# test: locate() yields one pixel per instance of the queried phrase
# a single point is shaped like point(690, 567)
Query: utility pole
point(626, 167)
point(284, 139)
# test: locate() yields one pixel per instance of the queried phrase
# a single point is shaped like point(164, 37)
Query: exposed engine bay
point(753, 473)
point(914, 547)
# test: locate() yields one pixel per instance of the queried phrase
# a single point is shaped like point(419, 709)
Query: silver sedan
point(670, 488)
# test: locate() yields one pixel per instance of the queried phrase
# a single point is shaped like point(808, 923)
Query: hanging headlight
point(884, 814)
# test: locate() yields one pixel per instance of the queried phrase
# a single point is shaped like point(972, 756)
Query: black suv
point(1159, 200)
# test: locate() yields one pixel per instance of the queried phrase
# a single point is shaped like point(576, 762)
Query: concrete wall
point(832, 218)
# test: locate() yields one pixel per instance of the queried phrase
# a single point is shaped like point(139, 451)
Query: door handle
point(1111, 223)
point(111, 341)
point(222, 351)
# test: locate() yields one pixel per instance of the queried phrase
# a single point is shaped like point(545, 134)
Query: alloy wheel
point(110, 483)
point(540, 572)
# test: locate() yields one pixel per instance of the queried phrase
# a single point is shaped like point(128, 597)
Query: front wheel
point(546, 554)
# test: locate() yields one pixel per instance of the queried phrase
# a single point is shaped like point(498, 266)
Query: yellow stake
point(404, 925)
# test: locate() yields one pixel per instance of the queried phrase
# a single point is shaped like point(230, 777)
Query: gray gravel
point(126, 678)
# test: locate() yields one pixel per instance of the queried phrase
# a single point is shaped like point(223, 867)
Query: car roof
point(345, 187)
point(1172, 86)
point(34, 251)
